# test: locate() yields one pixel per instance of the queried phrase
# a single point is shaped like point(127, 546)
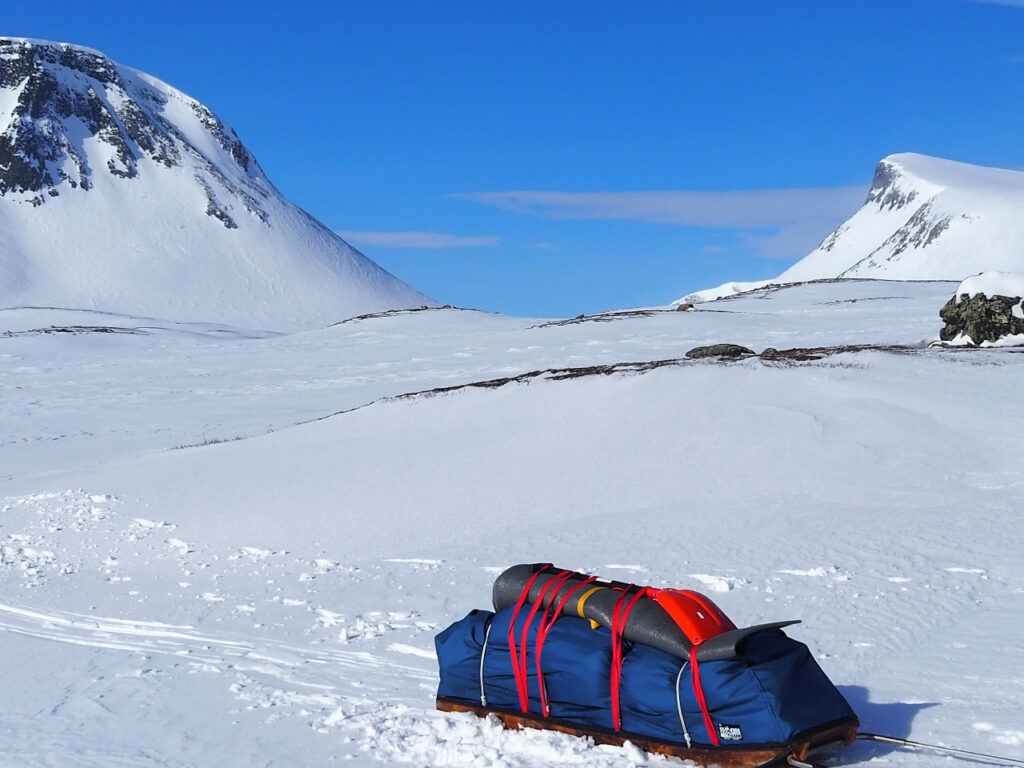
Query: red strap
point(699, 692)
point(524, 695)
point(520, 674)
point(620, 614)
point(542, 634)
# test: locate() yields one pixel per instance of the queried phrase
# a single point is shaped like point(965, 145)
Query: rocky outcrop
point(981, 318)
point(986, 309)
point(720, 350)
point(887, 191)
point(57, 89)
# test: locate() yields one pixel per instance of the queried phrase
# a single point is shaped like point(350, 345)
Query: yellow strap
point(586, 596)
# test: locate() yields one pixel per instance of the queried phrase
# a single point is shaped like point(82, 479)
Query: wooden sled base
point(844, 732)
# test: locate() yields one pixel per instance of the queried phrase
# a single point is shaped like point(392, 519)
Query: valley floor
point(233, 548)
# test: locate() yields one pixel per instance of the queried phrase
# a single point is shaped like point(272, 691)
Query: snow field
point(273, 599)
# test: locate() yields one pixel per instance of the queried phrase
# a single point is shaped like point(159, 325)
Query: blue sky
point(555, 158)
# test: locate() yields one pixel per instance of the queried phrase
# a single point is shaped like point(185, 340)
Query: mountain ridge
point(924, 218)
point(119, 192)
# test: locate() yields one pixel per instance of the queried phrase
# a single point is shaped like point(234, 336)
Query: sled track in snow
point(276, 680)
point(239, 654)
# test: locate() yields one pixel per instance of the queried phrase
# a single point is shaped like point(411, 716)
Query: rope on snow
point(916, 745)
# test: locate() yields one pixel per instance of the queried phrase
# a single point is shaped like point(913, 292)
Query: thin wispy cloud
point(428, 240)
point(775, 223)
point(741, 208)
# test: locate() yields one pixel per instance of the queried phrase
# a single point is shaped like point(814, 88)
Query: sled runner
point(664, 669)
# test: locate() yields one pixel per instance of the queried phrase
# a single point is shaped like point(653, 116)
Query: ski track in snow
point(157, 617)
point(346, 697)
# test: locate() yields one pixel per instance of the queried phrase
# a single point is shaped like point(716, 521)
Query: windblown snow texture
point(120, 193)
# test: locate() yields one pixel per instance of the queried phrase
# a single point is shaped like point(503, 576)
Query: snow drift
point(120, 193)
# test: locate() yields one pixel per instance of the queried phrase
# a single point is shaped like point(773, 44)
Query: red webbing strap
point(521, 684)
point(620, 614)
point(542, 634)
point(554, 585)
point(699, 693)
point(522, 680)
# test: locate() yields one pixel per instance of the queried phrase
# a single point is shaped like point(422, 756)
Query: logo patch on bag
point(730, 732)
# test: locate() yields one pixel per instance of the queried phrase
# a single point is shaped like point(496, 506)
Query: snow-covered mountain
point(924, 218)
point(120, 193)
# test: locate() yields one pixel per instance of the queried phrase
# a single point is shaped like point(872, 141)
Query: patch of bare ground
point(396, 312)
point(72, 329)
point(604, 317)
point(784, 356)
point(208, 441)
point(805, 354)
point(770, 357)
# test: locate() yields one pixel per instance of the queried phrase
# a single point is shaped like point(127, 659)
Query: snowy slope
point(991, 284)
point(273, 599)
point(120, 193)
point(925, 218)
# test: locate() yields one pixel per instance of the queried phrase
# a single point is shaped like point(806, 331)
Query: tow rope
point(796, 763)
point(934, 747)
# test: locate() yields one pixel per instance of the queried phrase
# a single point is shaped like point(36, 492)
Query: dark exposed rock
point(720, 350)
point(605, 317)
point(684, 307)
point(72, 329)
point(920, 230)
point(58, 88)
point(830, 242)
point(224, 135)
point(981, 318)
point(810, 354)
point(394, 312)
point(885, 189)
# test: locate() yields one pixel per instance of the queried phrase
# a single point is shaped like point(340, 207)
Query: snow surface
point(723, 291)
point(925, 218)
point(992, 284)
point(272, 599)
point(147, 244)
